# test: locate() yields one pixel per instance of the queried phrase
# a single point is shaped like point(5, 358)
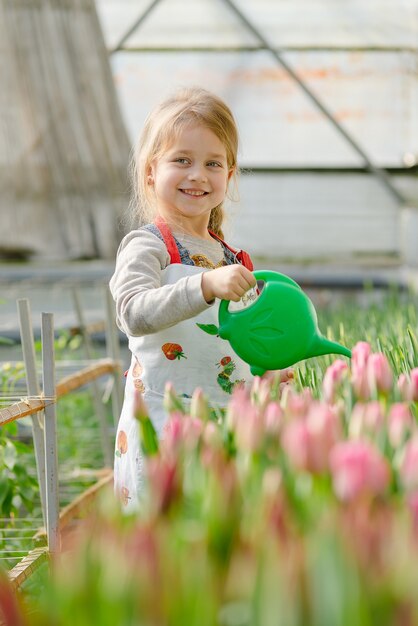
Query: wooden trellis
point(41, 406)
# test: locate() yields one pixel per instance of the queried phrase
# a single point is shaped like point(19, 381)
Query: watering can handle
point(263, 275)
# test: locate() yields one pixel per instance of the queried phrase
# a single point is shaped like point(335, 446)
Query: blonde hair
point(161, 128)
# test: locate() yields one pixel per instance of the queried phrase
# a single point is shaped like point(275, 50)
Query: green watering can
point(279, 329)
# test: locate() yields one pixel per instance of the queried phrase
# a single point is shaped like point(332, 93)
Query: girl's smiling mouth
point(194, 192)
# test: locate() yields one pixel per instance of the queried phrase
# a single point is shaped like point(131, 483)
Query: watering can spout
point(321, 345)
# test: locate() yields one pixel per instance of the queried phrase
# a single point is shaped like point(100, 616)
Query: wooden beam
point(27, 566)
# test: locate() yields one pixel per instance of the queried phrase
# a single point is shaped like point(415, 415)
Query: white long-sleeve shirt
point(143, 306)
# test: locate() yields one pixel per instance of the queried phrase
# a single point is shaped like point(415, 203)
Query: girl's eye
point(182, 160)
point(214, 164)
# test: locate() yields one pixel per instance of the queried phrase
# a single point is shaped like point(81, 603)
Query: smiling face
point(191, 177)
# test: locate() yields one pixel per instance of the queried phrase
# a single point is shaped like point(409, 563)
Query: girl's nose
point(198, 174)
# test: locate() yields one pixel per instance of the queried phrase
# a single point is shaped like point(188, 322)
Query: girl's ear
point(150, 174)
point(231, 172)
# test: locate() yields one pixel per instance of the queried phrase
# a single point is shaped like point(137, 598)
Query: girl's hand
point(287, 375)
point(227, 283)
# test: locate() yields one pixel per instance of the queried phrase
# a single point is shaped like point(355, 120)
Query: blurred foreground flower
point(358, 470)
point(295, 505)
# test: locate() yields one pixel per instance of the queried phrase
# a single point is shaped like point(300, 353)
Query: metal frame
point(379, 173)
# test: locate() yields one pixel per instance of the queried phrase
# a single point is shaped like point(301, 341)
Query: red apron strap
point(245, 260)
point(241, 256)
point(168, 240)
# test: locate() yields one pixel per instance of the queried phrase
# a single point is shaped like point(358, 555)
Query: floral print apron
point(182, 354)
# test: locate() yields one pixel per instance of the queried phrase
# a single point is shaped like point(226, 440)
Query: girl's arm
point(143, 305)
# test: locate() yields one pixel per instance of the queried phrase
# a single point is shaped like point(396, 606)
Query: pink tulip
point(325, 430)
point(296, 404)
point(332, 379)
point(359, 357)
point(173, 431)
point(307, 442)
point(360, 353)
point(163, 477)
point(249, 429)
point(413, 507)
point(199, 406)
point(238, 405)
point(409, 466)
point(379, 373)
point(192, 430)
point(273, 418)
point(358, 469)
point(212, 445)
point(171, 401)
point(181, 431)
point(261, 391)
point(366, 419)
point(295, 442)
point(414, 384)
point(360, 381)
point(408, 386)
point(399, 423)
point(212, 435)
point(404, 387)
point(140, 408)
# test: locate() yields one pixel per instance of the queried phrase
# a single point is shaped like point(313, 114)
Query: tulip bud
point(171, 401)
point(360, 381)
point(140, 408)
point(360, 353)
point(404, 387)
point(237, 407)
point(164, 481)
point(296, 404)
point(249, 430)
point(414, 384)
point(295, 442)
point(273, 418)
point(199, 405)
point(332, 379)
point(366, 419)
point(359, 357)
point(261, 391)
point(358, 469)
point(399, 423)
point(409, 465)
point(379, 373)
point(212, 435)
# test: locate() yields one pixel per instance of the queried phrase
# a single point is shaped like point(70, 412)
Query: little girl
point(170, 272)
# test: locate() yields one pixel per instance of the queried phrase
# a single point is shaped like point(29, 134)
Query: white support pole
point(113, 350)
point(50, 430)
point(107, 447)
point(28, 349)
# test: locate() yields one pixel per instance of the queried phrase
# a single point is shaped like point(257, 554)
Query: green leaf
point(149, 438)
point(4, 488)
point(413, 339)
point(6, 497)
point(211, 329)
point(9, 455)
